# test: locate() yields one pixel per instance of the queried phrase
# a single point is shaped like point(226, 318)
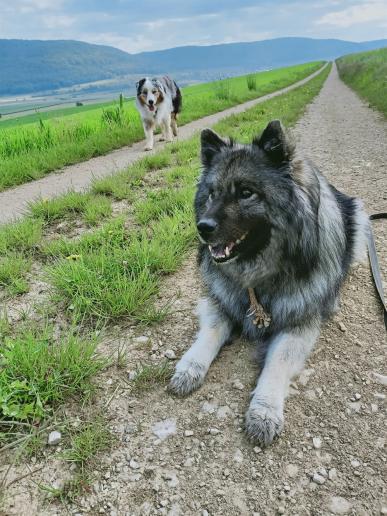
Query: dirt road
point(13, 202)
point(190, 456)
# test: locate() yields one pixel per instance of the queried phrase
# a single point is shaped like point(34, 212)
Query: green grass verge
point(30, 151)
point(37, 372)
point(366, 73)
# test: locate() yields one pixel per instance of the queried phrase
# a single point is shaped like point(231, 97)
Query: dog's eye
point(154, 92)
point(246, 194)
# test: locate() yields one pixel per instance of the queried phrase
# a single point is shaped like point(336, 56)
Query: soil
point(190, 456)
point(14, 201)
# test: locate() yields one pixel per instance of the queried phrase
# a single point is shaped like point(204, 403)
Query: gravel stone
point(54, 438)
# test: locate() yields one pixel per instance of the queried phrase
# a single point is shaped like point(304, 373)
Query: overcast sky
point(138, 25)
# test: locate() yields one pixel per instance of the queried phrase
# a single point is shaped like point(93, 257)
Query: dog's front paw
point(264, 422)
point(187, 378)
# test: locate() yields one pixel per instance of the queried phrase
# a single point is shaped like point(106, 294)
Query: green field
point(366, 73)
point(29, 151)
point(103, 255)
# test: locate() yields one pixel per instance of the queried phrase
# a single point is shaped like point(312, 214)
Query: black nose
point(150, 102)
point(206, 226)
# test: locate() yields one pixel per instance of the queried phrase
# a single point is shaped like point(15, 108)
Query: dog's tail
point(177, 102)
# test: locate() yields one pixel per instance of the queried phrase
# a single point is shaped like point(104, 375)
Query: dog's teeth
point(210, 248)
point(238, 242)
point(227, 251)
point(243, 236)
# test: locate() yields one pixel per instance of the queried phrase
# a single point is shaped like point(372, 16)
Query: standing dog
point(277, 243)
point(159, 102)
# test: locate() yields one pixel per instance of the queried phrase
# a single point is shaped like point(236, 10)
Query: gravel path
point(190, 456)
point(78, 177)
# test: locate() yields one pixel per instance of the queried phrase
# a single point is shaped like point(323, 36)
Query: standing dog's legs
point(148, 130)
point(174, 123)
point(285, 358)
point(166, 127)
point(215, 329)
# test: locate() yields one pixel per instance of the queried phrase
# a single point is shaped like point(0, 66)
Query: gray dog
point(277, 243)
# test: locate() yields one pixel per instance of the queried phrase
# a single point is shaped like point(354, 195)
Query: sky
point(141, 25)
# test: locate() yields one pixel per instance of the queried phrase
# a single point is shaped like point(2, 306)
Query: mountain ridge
point(31, 66)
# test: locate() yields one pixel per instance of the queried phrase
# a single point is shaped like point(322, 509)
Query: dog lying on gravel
point(158, 102)
point(277, 241)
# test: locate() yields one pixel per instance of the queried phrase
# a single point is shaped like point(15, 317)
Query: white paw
point(187, 378)
point(264, 422)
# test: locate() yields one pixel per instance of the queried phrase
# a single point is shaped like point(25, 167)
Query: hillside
point(366, 73)
point(35, 66)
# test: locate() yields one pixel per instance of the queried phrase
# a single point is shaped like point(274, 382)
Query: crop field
point(32, 149)
point(81, 268)
point(366, 73)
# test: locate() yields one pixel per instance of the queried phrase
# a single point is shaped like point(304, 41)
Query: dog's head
point(150, 92)
point(245, 191)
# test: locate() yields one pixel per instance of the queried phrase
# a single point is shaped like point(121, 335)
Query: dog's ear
point(211, 144)
point(139, 85)
point(275, 142)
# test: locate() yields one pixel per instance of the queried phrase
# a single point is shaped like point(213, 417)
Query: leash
point(375, 269)
point(262, 319)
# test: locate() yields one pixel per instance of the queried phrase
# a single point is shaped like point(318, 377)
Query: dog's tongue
point(151, 108)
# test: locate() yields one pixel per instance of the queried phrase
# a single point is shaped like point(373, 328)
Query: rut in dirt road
point(13, 202)
point(190, 456)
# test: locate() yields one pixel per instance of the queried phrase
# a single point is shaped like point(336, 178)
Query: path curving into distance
point(78, 177)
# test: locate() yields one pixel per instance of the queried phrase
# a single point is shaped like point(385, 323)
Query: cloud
point(357, 14)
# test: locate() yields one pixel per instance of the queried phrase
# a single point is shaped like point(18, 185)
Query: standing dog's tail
point(176, 103)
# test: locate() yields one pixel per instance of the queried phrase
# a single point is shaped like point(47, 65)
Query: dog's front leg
point(148, 130)
point(215, 330)
point(167, 130)
point(285, 358)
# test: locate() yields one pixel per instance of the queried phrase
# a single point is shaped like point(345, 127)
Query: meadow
point(366, 73)
point(31, 147)
point(81, 264)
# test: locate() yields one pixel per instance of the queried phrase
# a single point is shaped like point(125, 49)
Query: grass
point(150, 375)
point(30, 151)
point(38, 373)
point(366, 73)
point(13, 269)
point(112, 271)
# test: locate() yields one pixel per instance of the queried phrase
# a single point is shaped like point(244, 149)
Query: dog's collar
point(261, 318)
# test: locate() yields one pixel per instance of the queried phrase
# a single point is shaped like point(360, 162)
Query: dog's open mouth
point(221, 253)
point(151, 108)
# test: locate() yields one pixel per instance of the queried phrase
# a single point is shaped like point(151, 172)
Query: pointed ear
point(276, 143)
point(211, 144)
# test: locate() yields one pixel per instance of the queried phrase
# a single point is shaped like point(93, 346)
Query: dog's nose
point(150, 102)
point(207, 226)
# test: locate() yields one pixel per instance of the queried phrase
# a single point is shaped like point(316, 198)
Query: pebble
point(342, 327)
point(332, 475)
point(339, 505)
point(292, 470)
point(238, 456)
point(214, 431)
point(318, 479)
point(141, 340)
point(188, 433)
point(165, 428)
point(281, 509)
point(357, 396)
point(355, 463)
point(205, 513)
point(380, 378)
point(257, 449)
point(134, 464)
point(317, 442)
point(54, 438)
point(170, 354)
point(383, 510)
point(374, 408)
point(237, 384)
